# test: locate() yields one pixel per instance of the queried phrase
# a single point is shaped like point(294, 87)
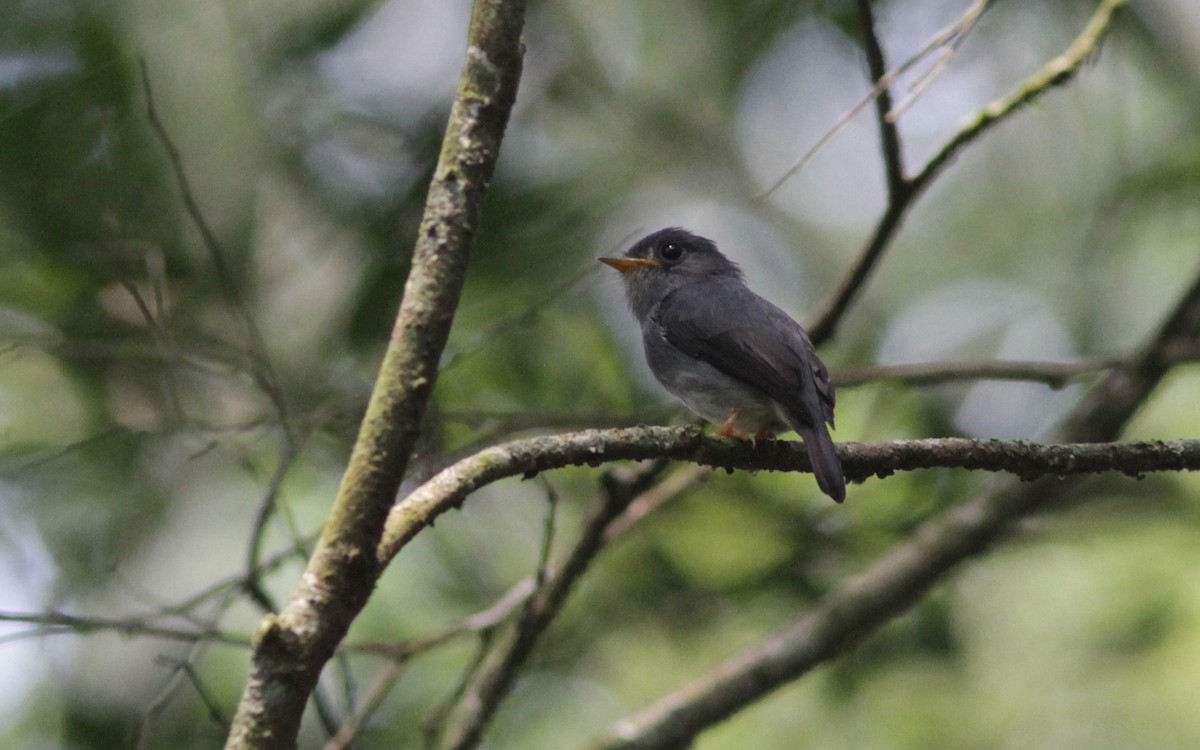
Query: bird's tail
point(827, 467)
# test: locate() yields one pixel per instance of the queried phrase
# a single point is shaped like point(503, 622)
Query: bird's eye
point(671, 251)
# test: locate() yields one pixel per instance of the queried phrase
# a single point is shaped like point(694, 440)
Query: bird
point(732, 357)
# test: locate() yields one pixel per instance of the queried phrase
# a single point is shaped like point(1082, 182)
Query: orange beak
point(629, 265)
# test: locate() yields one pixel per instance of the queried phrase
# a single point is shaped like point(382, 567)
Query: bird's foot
point(729, 430)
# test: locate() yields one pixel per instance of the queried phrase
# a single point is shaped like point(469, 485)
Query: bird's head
point(661, 262)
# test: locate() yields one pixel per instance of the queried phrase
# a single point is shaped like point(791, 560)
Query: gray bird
point(729, 355)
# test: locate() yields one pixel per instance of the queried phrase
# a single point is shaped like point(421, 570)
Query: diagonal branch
point(539, 596)
point(946, 52)
point(498, 670)
point(292, 647)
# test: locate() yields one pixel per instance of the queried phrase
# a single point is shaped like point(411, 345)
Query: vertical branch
point(292, 647)
point(889, 135)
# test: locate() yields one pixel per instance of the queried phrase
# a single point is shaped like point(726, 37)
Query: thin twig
point(654, 498)
point(552, 502)
point(946, 52)
point(58, 623)
point(1053, 374)
point(251, 580)
point(435, 724)
point(264, 371)
point(216, 713)
point(485, 619)
point(354, 723)
point(946, 36)
point(182, 670)
point(519, 321)
point(224, 585)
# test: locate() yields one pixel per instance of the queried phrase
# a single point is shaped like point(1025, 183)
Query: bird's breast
point(705, 390)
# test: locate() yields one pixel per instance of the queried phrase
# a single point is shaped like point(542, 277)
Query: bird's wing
point(746, 337)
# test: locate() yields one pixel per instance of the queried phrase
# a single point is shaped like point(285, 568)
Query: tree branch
point(292, 647)
point(497, 672)
point(889, 136)
point(528, 457)
point(481, 693)
point(951, 35)
point(262, 369)
point(1055, 73)
point(1053, 374)
point(51, 623)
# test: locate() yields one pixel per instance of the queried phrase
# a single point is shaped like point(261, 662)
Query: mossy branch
point(527, 457)
point(292, 647)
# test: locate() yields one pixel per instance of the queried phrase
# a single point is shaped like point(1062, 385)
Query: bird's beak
point(629, 265)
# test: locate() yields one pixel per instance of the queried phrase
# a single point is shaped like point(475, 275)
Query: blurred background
point(163, 378)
